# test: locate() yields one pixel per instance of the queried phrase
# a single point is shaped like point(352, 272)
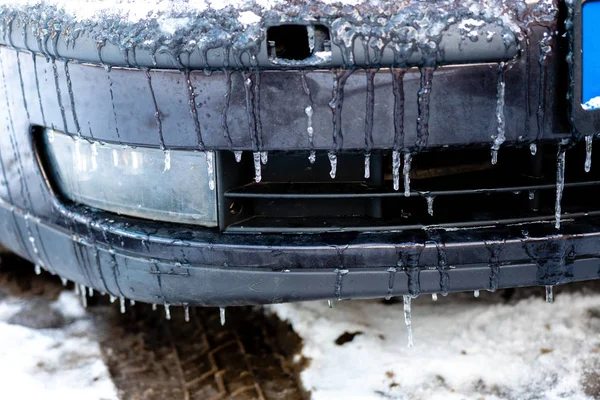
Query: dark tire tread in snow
point(250, 357)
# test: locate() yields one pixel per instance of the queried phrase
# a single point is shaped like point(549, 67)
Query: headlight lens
point(172, 186)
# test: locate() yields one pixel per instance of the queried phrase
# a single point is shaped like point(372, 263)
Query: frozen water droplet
point(167, 161)
point(549, 294)
point(367, 165)
point(154, 307)
point(38, 269)
point(434, 296)
point(560, 185)
point(312, 157)
point(210, 168)
point(167, 311)
point(264, 157)
point(330, 303)
point(257, 167)
point(396, 169)
point(64, 281)
point(406, 172)
point(430, 200)
point(408, 319)
point(476, 293)
point(500, 137)
point(222, 315)
point(83, 293)
point(531, 194)
point(122, 304)
point(333, 161)
point(186, 313)
point(238, 156)
point(131, 302)
point(533, 149)
point(588, 153)
point(112, 298)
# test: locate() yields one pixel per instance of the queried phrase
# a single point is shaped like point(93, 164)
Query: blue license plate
point(591, 55)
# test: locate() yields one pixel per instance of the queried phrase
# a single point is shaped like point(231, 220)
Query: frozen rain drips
point(309, 114)
point(333, 161)
point(264, 157)
point(560, 185)
point(167, 161)
point(112, 298)
point(167, 311)
point(309, 129)
point(476, 293)
point(533, 149)
point(408, 319)
point(330, 303)
point(588, 153)
point(38, 269)
point(64, 281)
point(367, 165)
point(83, 294)
point(500, 137)
point(549, 294)
point(238, 156)
point(257, 167)
point(122, 304)
point(222, 316)
point(430, 200)
point(396, 169)
point(186, 313)
point(210, 168)
point(406, 172)
point(434, 296)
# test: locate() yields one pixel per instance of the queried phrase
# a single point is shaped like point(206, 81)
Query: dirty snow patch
point(63, 363)
point(465, 349)
point(593, 104)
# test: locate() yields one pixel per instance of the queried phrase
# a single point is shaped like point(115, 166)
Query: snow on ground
point(464, 348)
point(47, 351)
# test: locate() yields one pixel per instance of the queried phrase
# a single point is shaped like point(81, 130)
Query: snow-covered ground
point(464, 348)
point(47, 351)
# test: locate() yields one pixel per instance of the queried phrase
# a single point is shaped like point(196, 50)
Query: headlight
point(174, 186)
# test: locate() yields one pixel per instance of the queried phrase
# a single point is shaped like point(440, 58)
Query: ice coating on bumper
point(239, 27)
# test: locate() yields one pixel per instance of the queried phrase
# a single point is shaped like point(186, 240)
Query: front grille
point(448, 189)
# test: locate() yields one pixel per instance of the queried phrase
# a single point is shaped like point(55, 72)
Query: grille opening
point(296, 42)
point(467, 191)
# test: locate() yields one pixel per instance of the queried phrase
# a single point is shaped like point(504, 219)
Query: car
point(254, 152)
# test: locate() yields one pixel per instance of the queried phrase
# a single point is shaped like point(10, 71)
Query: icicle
point(210, 168)
point(167, 311)
point(222, 315)
point(434, 296)
point(406, 172)
point(257, 167)
point(112, 298)
point(476, 293)
point(333, 161)
point(408, 319)
point(430, 200)
point(264, 157)
point(238, 156)
point(500, 118)
point(330, 303)
point(309, 129)
point(77, 289)
point(367, 165)
point(533, 149)
point(154, 307)
point(549, 295)
point(122, 304)
point(131, 302)
point(186, 313)
point(531, 194)
point(83, 294)
point(312, 157)
point(38, 269)
point(560, 185)
point(91, 292)
point(396, 169)
point(64, 281)
point(167, 161)
point(588, 153)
